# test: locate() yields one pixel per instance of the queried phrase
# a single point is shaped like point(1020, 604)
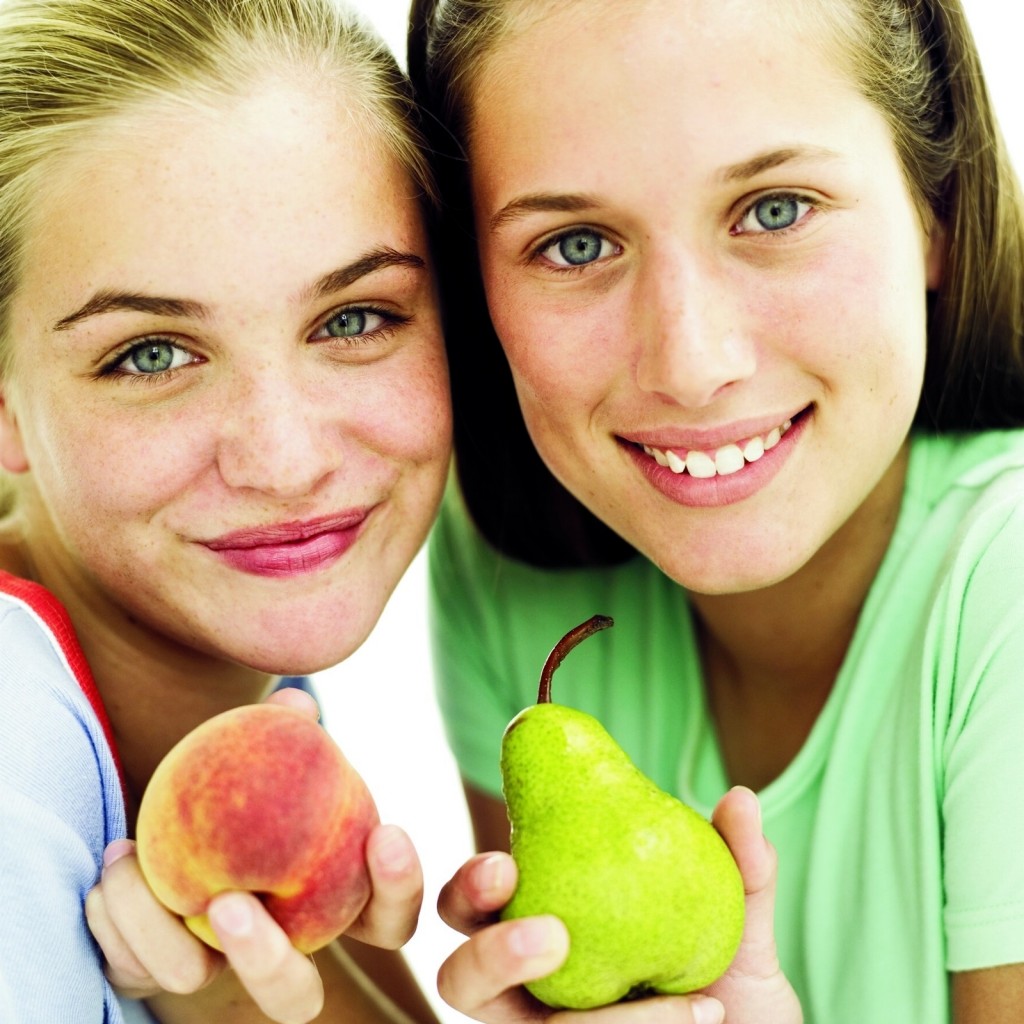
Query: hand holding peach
point(261, 799)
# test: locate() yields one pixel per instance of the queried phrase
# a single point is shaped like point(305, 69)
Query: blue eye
point(774, 213)
point(577, 248)
point(152, 357)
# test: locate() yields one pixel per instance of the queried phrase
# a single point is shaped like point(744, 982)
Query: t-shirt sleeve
point(51, 836)
point(983, 750)
point(473, 686)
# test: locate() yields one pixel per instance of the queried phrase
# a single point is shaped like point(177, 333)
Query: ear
point(12, 451)
point(935, 255)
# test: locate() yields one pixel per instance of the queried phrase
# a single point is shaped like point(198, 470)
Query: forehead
point(547, 35)
point(178, 141)
point(254, 196)
point(616, 87)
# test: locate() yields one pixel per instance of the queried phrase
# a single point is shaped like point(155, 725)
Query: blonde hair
point(68, 68)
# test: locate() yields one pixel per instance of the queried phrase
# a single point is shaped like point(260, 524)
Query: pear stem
point(571, 639)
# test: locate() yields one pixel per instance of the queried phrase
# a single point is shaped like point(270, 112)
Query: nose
point(694, 342)
point(272, 436)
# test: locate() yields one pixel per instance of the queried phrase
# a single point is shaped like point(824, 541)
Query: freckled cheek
point(561, 351)
point(129, 470)
point(841, 310)
point(406, 414)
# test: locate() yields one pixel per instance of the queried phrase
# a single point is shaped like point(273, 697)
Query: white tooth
point(675, 463)
point(753, 450)
point(786, 425)
point(772, 438)
point(729, 459)
point(700, 465)
point(659, 456)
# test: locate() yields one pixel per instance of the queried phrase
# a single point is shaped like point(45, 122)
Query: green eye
point(580, 248)
point(348, 324)
point(152, 357)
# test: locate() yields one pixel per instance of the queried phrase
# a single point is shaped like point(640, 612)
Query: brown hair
point(916, 60)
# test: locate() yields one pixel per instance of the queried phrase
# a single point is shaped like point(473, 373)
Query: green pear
point(650, 894)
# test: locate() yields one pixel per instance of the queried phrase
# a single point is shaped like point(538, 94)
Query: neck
point(156, 691)
point(771, 656)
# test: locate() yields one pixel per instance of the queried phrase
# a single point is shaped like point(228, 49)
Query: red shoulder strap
point(55, 617)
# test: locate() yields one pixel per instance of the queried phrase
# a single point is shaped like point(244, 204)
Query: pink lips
point(717, 491)
point(290, 549)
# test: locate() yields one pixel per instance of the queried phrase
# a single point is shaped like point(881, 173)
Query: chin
point(288, 647)
point(296, 655)
point(735, 571)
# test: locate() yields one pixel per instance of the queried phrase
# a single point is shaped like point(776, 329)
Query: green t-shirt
point(900, 823)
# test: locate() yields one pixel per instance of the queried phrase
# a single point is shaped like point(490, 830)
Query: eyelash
point(112, 368)
point(391, 322)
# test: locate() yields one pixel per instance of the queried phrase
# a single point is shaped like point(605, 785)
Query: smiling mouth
point(723, 461)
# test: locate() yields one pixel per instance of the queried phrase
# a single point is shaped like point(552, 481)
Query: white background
point(379, 705)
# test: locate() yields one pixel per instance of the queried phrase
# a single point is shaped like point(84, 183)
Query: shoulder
point(463, 562)
point(963, 516)
point(55, 758)
point(968, 471)
point(495, 618)
point(60, 803)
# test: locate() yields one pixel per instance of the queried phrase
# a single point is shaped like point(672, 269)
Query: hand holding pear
point(648, 890)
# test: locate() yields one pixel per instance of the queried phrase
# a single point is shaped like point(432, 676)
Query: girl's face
point(707, 274)
point(229, 391)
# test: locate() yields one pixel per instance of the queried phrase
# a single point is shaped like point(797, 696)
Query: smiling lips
point(724, 461)
point(290, 549)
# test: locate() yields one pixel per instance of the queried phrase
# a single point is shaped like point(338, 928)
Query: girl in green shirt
point(755, 269)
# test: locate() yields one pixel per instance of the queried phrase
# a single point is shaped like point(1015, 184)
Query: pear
point(650, 894)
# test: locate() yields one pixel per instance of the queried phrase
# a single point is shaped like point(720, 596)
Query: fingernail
point(707, 1010)
point(533, 936)
point(391, 849)
point(116, 850)
point(232, 915)
point(757, 803)
point(489, 873)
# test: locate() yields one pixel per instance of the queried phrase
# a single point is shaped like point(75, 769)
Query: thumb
point(738, 818)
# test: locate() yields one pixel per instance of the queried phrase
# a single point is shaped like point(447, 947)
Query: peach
point(259, 798)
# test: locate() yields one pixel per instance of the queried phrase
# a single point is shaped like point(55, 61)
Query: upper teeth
point(730, 458)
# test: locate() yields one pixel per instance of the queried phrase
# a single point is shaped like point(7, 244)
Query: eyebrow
point(335, 280)
point(543, 202)
point(108, 302)
point(773, 158)
point(572, 202)
point(377, 259)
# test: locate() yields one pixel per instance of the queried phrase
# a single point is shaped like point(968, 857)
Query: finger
point(390, 918)
point(168, 953)
point(738, 819)
point(693, 1009)
point(123, 968)
point(483, 885)
point(482, 977)
point(282, 982)
point(299, 700)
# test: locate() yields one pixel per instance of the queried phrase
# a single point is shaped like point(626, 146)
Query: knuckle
point(185, 975)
